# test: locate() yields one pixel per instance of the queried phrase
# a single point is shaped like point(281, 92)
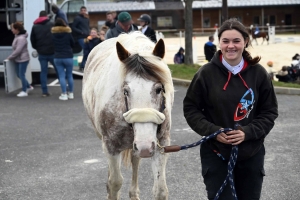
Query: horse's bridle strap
point(143, 115)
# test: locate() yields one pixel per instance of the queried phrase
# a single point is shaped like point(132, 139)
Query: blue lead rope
point(231, 162)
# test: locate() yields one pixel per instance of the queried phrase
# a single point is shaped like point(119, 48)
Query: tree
point(188, 32)
point(224, 11)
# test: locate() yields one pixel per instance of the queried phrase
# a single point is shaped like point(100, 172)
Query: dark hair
point(210, 37)
point(234, 24)
point(82, 7)
point(18, 26)
point(54, 8)
point(59, 22)
point(43, 13)
point(284, 68)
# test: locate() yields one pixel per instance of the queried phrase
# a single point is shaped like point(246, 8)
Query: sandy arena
point(280, 53)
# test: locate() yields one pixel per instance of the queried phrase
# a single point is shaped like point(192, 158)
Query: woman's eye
point(158, 90)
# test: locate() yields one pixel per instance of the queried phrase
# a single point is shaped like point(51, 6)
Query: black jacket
point(81, 27)
point(115, 32)
point(89, 45)
point(218, 99)
point(209, 50)
point(63, 42)
point(150, 34)
point(41, 37)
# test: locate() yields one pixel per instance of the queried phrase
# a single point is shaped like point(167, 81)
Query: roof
point(169, 5)
point(243, 3)
point(120, 6)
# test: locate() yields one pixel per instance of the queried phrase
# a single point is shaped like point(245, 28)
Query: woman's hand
point(233, 137)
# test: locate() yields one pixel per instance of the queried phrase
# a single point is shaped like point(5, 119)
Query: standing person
point(21, 56)
point(63, 57)
point(81, 26)
point(145, 28)
point(232, 88)
point(210, 48)
point(89, 43)
point(270, 70)
point(110, 19)
point(59, 13)
point(41, 40)
point(179, 56)
point(123, 25)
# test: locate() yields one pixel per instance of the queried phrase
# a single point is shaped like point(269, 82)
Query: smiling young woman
point(232, 89)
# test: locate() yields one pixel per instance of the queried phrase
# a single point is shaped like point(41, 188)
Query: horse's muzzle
point(144, 150)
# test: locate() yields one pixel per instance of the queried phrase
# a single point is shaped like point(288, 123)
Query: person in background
point(179, 56)
point(59, 13)
point(63, 57)
point(81, 26)
point(270, 70)
point(21, 56)
point(41, 40)
point(90, 42)
point(232, 91)
point(145, 28)
point(283, 75)
point(123, 25)
point(210, 48)
point(111, 19)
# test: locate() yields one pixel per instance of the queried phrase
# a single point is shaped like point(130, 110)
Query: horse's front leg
point(160, 189)
point(134, 192)
point(115, 178)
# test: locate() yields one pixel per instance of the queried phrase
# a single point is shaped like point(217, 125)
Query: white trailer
point(26, 11)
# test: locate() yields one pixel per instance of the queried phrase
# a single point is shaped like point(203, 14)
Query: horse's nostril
point(153, 146)
point(135, 147)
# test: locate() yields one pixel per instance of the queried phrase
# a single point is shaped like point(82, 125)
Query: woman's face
point(232, 45)
point(93, 33)
point(142, 23)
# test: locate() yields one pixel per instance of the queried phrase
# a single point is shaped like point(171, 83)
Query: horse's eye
point(125, 92)
point(158, 90)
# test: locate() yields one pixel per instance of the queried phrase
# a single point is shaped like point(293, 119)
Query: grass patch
point(183, 71)
point(187, 72)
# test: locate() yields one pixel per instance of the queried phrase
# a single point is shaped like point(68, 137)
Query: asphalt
point(49, 151)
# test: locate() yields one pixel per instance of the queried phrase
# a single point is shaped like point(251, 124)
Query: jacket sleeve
point(267, 107)
point(194, 109)
point(19, 46)
point(153, 36)
point(32, 39)
point(74, 26)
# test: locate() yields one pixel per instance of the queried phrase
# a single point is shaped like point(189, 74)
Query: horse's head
point(143, 90)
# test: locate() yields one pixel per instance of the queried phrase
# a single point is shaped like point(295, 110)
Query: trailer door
point(12, 82)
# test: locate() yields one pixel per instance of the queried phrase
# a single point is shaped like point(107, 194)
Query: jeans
point(248, 175)
point(81, 42)
point(64, 68)
point(21, 68)
point(44, 59)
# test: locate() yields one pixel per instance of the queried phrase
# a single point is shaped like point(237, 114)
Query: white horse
point(128, 94)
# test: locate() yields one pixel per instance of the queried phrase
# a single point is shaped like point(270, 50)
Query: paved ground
point(44, 144)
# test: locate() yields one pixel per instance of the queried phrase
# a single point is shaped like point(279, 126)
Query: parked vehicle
point(27, 11)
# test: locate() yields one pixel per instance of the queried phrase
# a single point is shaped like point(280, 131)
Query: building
point(169, 14)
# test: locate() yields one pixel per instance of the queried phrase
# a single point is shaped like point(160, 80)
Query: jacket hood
point(61, 29)
point(40, 20)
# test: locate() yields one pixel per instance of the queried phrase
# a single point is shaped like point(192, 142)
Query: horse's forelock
point(145, 69)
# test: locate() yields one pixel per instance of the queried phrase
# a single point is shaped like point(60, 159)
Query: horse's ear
point(122, 52)
point(159, 49)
